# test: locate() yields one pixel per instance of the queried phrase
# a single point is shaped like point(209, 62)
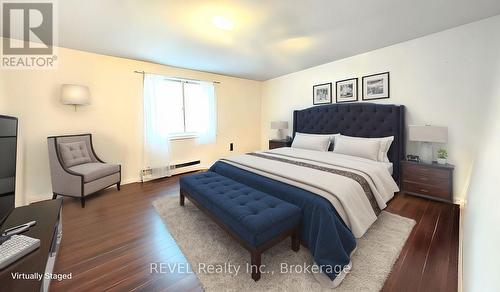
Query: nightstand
point(279, 143)
point(432, 181)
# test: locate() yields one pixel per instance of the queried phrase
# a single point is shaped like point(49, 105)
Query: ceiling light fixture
point(222, 23)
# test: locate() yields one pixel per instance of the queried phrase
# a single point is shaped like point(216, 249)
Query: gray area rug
point(205, 245)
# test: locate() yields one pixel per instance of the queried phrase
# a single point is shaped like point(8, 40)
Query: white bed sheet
point(386, 165)
point(345, 194)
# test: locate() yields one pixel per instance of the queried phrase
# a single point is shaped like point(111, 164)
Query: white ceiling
point(269, 38)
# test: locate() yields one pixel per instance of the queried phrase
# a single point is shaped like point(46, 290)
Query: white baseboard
point(130, 180)
point(38, 198)
point(42, 197)
point(463, 204)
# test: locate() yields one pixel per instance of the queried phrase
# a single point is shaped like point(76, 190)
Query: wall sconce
point(75, 95)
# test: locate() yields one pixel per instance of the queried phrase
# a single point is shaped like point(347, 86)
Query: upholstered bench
point(256, 220)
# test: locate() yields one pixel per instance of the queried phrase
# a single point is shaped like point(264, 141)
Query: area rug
point(215, 257)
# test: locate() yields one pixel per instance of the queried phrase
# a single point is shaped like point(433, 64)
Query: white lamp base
point(281, 134)
point(426, 152)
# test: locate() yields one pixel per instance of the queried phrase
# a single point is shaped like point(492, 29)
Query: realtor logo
point(28, 35)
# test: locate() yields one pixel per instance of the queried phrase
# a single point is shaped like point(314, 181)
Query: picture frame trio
point(375, 86)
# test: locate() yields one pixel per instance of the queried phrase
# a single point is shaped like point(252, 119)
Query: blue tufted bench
point(256, 220)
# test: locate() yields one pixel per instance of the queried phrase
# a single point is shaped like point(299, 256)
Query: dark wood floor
point(110, 244)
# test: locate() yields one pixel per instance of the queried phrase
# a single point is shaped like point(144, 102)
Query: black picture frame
point(329, 86)
point(385, 96)
point(355, 93)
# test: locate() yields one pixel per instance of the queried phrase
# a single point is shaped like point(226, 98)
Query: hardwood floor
point(111, 243)
point(429, 259)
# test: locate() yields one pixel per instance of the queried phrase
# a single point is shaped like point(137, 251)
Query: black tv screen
point(8, 146)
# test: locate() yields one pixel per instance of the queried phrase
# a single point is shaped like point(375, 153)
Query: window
point(196, 106)
point(184, 108)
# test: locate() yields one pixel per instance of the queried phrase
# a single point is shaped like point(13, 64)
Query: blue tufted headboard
point(367, 120)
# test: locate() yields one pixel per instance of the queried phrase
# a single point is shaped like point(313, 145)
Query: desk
point(41, 261)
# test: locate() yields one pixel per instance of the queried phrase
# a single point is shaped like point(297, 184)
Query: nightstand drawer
point(425, 179)
point(273, 145)
point(428, 190)
point(279, 143)
point(423, 171)
point(431, 181)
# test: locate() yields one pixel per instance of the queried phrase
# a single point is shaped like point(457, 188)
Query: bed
point(367, 120)
point(340, 196)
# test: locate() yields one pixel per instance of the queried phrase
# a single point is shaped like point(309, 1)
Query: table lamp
point(427, 135)
point(280, 126)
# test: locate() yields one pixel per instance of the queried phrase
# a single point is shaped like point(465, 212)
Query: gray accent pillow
point(74, 153)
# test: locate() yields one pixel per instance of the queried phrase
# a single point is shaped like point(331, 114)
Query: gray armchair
point(76, 171)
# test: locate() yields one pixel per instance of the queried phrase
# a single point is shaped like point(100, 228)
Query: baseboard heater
point(146, 172)
point(185, 164)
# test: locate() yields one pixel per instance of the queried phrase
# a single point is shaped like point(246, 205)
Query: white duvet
point(345, 194)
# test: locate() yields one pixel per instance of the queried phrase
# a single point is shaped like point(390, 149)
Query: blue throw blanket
point(322, 230)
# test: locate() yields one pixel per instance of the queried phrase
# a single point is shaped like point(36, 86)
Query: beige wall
point(449, 78)
point(115, 115)
point(481, 231)
point(443, 79)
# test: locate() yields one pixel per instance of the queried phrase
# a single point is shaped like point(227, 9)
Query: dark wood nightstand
point(432, 181)
point(279, 143)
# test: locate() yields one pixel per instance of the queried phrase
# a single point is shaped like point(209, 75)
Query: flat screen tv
point(8, 147)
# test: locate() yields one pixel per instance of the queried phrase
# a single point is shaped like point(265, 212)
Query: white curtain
point(156, 133)
point(208, 130)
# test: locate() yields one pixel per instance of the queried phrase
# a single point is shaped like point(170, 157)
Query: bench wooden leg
point(182, 198)
point(295, 241)
point(255, 265)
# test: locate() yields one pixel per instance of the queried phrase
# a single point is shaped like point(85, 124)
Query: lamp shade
point(431, 134)
point(75, 94)
point(279, 125)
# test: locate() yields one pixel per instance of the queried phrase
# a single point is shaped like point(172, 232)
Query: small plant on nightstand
point(442, 154)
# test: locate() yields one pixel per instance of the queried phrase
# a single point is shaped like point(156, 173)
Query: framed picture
point(376, 86)
point(322, 93)
point(346, 90)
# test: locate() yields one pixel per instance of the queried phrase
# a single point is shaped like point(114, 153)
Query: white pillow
point(312, 141)
point(364, 148)
point(385, 144)
point(331, 136)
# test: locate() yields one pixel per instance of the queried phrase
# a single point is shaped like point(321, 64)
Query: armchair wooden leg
point(83, 202)
point(118, 185)
point(54, 196)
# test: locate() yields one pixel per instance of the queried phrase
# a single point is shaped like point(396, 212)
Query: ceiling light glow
point(296, 44)
point(222, 23)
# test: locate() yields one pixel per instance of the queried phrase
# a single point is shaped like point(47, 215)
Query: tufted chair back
point(75, 149)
